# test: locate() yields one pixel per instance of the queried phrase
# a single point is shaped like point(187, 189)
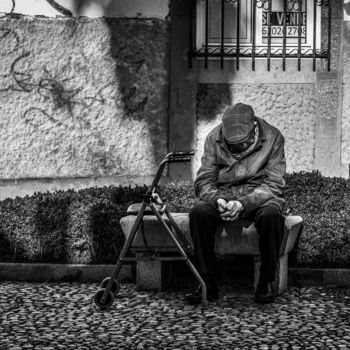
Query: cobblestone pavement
point(63, 316)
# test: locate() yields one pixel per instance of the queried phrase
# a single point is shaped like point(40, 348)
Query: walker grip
point(179, 159)
point(181, 153)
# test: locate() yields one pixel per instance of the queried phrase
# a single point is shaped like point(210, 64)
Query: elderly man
point(241, 176)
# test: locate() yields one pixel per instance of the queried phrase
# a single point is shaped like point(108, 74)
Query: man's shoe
point(264, 293)
point(195, 298)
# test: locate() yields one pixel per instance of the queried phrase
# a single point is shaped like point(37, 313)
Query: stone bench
point(239, 237)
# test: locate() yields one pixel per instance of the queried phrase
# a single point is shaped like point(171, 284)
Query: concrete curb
point(95, 273)
point(322, 277)
point(61, 272)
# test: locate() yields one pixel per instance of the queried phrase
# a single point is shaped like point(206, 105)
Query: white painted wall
point(90, 8)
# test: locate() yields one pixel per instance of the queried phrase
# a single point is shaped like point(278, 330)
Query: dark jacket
point(256, 180)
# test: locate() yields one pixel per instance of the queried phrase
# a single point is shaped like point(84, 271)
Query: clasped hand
point(229, 211)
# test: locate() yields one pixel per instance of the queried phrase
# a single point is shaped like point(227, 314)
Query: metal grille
point(222, 50)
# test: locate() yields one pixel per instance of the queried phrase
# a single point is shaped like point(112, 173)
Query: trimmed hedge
point(324, 204)
point(83, 226)
point(65, 226)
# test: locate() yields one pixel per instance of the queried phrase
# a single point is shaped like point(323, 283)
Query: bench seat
point(239, 237)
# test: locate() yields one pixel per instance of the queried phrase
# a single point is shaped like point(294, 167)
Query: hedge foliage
point(66, 226)
point(83, 226)
point(324, 204)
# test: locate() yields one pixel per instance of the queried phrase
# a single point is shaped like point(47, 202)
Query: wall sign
point(277, 22)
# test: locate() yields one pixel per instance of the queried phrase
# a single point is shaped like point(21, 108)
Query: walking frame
point(110, 286)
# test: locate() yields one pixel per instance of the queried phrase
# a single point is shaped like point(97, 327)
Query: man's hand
point(222, 205)
point(233, 209)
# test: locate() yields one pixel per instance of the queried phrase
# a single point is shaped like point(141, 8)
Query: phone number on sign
point(277, 31)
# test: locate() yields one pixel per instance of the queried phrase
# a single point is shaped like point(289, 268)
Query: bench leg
point(148, 274)
point(281, 279)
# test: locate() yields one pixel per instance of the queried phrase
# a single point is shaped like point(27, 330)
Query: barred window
point(261, 28)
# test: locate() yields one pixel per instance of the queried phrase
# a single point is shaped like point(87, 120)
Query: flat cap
point(237, 122)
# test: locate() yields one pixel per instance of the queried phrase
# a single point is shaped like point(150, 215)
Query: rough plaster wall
point(82, 97)
point(289, 107)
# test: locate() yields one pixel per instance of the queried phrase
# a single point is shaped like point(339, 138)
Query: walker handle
point(172, 157)
point(178, 159)
point(180, 154)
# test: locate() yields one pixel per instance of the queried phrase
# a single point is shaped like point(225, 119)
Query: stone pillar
point(329, 100)
point(183, 89)
point(328, 124)
point(148, 273)
point(346, 92)
point(281, 279)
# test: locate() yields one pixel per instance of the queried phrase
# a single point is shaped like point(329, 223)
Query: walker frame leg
point(124, 251)
point(183, 254)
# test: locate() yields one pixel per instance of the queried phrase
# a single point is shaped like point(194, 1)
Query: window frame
point(254, 46)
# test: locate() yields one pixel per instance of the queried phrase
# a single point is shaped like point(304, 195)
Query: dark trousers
point(204, 221)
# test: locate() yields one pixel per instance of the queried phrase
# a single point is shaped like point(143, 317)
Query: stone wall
point(82, 97)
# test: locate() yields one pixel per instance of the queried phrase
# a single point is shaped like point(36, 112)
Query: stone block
point(306, 277)
point(293, 225)
point(337, 277)
point(148, 274)
point(154, 234)
point(61, 272)
point(281, 278)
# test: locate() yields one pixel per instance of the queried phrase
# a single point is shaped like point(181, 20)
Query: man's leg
point(204, 220)
point(269, 223)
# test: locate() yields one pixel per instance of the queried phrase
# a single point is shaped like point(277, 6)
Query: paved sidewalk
point(63, 316)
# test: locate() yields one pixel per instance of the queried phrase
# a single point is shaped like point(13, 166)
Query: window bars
point(236, 50)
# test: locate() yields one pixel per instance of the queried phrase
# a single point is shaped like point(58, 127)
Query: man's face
point(243, 145)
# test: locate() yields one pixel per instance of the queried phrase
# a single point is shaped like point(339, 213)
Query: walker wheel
point(107, 302)
point(115, 285)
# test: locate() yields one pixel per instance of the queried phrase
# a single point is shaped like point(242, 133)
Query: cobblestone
point(64, 316)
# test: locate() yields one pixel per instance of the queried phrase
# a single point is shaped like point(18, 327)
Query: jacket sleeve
point(273, 183)
point(206, 185)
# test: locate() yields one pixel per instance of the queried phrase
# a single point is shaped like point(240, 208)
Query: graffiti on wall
point(65, 107)
point(10, 7)
point(88, 8)
point(88, 86)
point(66, 103)
point(9, 41)
point(54, 90)
point(21, 81)
point(51, 89)
point(127, 68)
